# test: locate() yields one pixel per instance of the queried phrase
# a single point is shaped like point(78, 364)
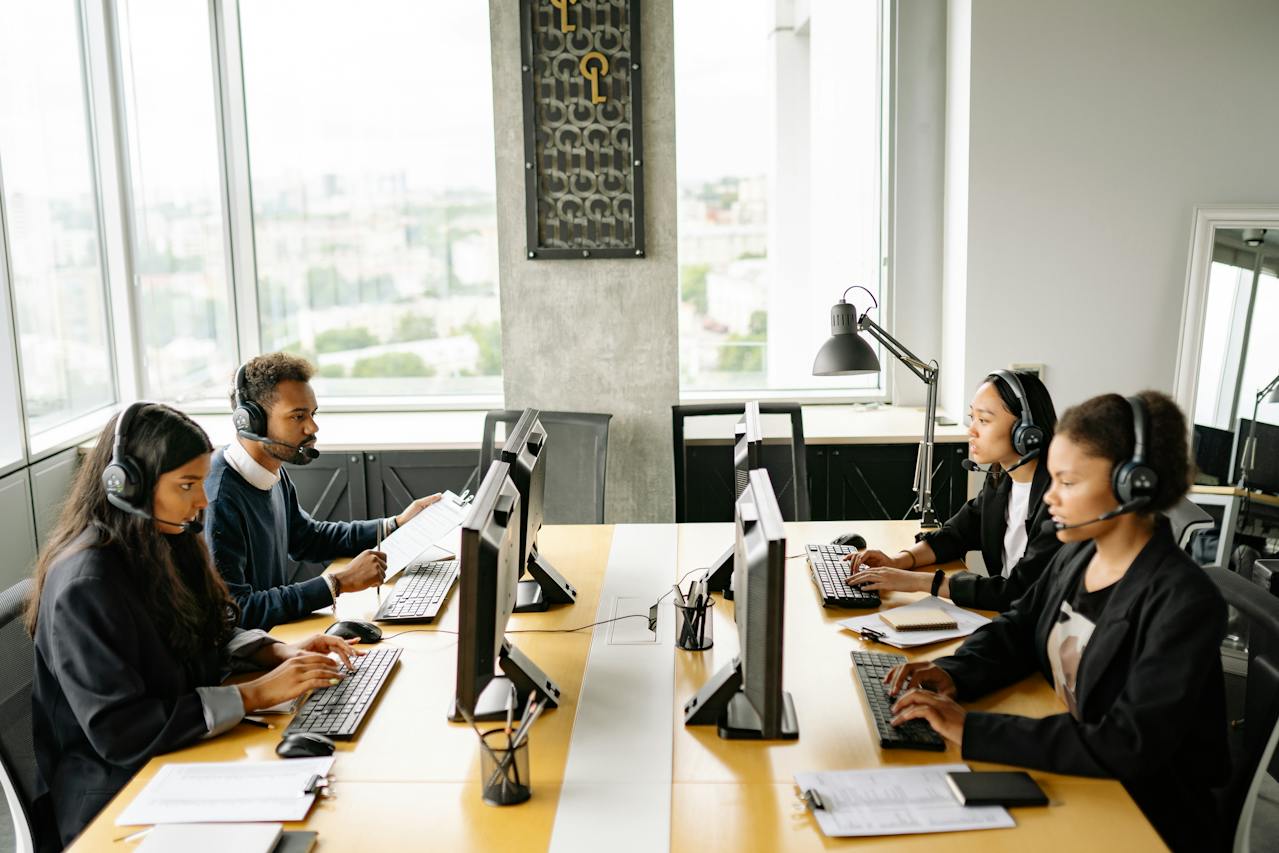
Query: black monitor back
point(760, 599)
point(1265, 470)
point(1212, 448)
point(748, 447)
point(489, 575)
point(523, 451)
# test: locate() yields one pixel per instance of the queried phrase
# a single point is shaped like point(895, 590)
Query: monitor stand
point(722, 703)
point(520, 671)
point(720, 575)
point(546, 587)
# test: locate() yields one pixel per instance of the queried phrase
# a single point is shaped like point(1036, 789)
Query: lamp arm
point(917, 365)
point(1248, 459)
point(1270, 386)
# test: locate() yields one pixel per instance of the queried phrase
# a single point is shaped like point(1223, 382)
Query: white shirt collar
point(249, 468)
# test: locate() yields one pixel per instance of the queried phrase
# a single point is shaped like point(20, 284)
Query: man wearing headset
point(255, 523)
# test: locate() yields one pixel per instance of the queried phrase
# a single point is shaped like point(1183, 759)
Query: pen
point(378, 547)
point(254, 721)
point(869, 633)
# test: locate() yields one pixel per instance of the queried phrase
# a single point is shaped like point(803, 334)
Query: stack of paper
point(429, 527)
point(894, 801)
point(965, 623)
point(227, 792)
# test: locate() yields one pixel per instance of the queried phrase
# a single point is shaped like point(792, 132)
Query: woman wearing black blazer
point(1011, 422)
point(1123, 624)
point(134, 629)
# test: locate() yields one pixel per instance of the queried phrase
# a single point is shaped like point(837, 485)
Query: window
point(374, 192)
point(51, 215)
point(1261, 362)
point(187, 342)
point(778, 159)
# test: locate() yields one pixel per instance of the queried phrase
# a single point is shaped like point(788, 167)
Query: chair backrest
point(576, 459)
point(1253, 743)
point(1187, 519)
point(790, 481)
point(18, 775)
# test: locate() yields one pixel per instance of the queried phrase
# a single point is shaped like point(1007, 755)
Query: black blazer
point(108, 692)
point(1150, 691)
point(980, 526)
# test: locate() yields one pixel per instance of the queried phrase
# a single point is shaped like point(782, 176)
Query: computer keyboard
point(420, 592)
point(826, 565)
point(337, 711)
point(912, 734)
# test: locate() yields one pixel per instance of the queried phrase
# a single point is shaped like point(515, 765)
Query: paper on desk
point(427, 528)
point(965, 623)
point(212, 838)
point(227, 792)
point(896, 801)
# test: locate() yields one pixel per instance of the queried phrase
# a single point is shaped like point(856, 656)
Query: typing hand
point(289, 680)
point(871, 558)
point(925, 674)
point(943, 713)
point(365, 570)
point(887, 580)
point(324, 644)
point(416, 507)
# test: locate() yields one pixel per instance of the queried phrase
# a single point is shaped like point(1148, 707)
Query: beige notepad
point(918, 619)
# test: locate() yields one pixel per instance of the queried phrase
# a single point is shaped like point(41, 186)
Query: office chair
point(31, 823)
point(577, 461)
point(1187, 519)
point(1253, 738)
point(791, 486)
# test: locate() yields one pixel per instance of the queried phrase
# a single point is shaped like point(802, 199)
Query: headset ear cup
point(1133, 481)
point(249, 417)
point(1027, 437)
point(123, 479)
point(1121, 482)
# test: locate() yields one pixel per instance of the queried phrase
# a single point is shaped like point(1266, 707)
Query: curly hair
point(262, 373)
point(1104, 425)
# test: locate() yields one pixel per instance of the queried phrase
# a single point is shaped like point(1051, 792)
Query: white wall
point(1094, 128)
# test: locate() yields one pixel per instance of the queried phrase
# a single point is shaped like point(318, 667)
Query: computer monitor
point(1212, 448)
point(1264, 476)
point(489, 574)
point(525, 451)
point(748, 454)
point(745, 699)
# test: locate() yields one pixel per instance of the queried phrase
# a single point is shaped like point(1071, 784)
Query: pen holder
point(503, 771)
point(694, 631)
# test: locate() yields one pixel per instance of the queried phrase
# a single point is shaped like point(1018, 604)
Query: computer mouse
point(355, 629)
point(305, 745)
point(853, 540)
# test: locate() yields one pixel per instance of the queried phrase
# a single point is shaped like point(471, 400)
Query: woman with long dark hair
point(1010, 423)
point(133, 628)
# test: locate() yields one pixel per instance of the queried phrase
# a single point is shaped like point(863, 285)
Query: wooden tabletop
point(1234, 492)
point(410, 778)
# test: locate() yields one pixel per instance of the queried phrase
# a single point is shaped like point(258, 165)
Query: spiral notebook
point(918, 619)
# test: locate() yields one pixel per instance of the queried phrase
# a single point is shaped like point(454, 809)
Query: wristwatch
point(938, 577)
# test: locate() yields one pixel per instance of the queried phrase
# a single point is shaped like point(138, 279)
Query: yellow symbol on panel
point(594, 72)
point(562, 5)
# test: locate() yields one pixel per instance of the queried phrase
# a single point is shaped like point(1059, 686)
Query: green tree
point(489, 338)
point(414, 327)
point(744, 358)
point(331, 371)
point(337, 340)
point(692, 285)
point(392, 364)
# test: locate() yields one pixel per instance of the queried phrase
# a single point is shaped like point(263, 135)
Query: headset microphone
point(300, 451)
point(1119, 510)
point(970, 465)
point(195, 526)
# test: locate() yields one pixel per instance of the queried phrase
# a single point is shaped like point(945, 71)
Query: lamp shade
point(846, 352)
point(1274, 396)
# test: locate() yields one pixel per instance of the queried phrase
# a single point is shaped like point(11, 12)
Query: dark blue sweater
point(253, 533)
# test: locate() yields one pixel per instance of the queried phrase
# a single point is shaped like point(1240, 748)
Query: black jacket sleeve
point(1140, 729)
point(999, 592)
point(94, 656)
point(961, 533)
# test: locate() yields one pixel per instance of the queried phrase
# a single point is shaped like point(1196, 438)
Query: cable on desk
point(418, 631)
point(578, 628)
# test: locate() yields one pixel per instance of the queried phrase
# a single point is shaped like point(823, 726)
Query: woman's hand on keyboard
point(943, 713)
point(324, 644)
point(289, 680)
point(924, 673)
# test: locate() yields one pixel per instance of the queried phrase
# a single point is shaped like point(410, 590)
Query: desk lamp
point(847, 353)
point(1248, 459)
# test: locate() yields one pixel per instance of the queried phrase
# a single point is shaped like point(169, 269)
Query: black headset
point(1028, 437)
point(123, 479)
point(248, 416)
point(1134, 482)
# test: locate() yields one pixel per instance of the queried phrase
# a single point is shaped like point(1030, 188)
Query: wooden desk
point(410, 779)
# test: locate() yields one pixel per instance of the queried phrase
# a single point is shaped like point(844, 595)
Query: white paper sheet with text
point(227, 792)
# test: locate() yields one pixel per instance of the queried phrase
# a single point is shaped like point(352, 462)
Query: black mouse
point(854, 540)
point(305, 745)
point(356, 629)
